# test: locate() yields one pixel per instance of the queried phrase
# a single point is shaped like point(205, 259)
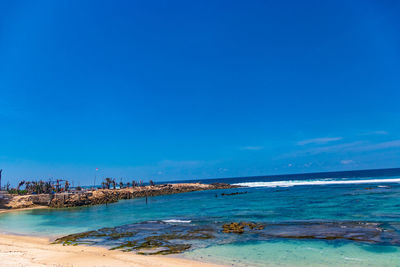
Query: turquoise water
point(299, 253)
point(312, 210)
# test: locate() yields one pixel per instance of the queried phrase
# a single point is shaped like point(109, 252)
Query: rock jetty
point(105, 196)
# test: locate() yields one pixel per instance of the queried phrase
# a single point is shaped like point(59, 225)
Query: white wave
point(317, 182)
point(352, 259)
point(177, 221)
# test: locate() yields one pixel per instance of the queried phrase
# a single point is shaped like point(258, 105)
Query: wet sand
point(35, 251)
point(22, 209)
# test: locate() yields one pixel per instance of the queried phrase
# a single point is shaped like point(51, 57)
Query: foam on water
point(291, 215)
point(177, 221)
point(317, 182)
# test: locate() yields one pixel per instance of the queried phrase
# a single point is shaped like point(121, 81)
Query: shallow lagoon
point(321, 203)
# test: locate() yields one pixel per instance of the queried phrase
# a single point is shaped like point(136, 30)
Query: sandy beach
point(22, 209)
point(35, 251)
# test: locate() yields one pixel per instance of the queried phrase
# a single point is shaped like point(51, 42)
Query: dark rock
point(239, 228)
point(232, 194)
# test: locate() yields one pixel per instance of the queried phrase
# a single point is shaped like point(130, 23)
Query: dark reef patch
point(149, 238)
point(158, 237)
point(234, 193)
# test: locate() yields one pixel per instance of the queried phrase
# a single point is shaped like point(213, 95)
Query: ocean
point(325, 219)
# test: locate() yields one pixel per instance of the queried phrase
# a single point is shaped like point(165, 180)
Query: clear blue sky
point(197, 89)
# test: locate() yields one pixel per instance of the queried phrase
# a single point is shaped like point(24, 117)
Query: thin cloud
point(324, 149)
point(319, 141)
point(375, 133)
point(252, 148)
point(380, 133)
point(378, 146)
point(346, 161)
point(358, 146)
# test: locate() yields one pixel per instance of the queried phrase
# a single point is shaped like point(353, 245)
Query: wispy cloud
point(323, 149)
point(252, 148)
point(376, 133)
point(346, 161)
point(319, 141)
point(357, 146)
point(380, 132)
point(378, 146)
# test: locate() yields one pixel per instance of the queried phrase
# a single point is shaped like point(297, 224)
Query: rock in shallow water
point(158, 237)
point(148, 238)
point(239, 228)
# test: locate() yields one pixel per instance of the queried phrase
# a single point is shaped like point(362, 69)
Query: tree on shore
point(114, 183)
point(40, 187)
point(20, 184)
point(107, 183)
point(66, 186)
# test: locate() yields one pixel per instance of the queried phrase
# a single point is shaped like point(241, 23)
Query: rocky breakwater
point(104, 196)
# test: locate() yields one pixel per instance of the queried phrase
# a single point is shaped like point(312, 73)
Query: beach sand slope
point(35, 251)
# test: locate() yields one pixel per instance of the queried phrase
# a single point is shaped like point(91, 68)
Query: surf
point(316, 182)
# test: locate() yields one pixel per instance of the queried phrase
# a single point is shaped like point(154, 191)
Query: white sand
point(34, 251)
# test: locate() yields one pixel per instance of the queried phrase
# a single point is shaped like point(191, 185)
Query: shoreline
point(22, 209)
point(24, 250)
point(103, 196)
point(34, 250)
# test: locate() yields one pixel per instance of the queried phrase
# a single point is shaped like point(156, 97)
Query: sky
point(168, 90)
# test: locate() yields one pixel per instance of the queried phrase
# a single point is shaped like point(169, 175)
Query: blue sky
point(183, 89)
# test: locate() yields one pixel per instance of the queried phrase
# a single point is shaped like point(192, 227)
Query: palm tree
point(58, 185)
point(108, 182)
point(20, 184)
point(47, 187)
point(114, 183)
point(66, 186)
point(28, 187)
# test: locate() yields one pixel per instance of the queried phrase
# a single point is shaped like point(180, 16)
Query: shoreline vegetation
point(36, 251)
point(87, 197)
point(41, 251)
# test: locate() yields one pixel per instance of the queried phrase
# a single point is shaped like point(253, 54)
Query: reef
point(239, 228)
point(233, 194)
point(148, 238)
point(364, 232)
point(158, 237)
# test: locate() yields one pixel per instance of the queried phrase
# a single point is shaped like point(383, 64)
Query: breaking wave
point(177, 221)
point(317, 182)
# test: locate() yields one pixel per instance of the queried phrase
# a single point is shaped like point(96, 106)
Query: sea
point(316, 219)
